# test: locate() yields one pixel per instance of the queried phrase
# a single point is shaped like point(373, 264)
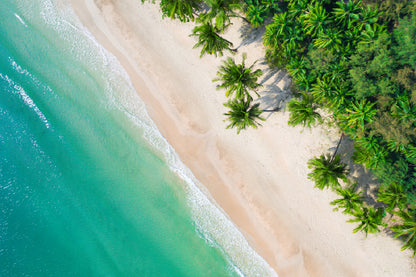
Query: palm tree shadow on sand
point(250, 35)
point(367, 183)
point(272, 97)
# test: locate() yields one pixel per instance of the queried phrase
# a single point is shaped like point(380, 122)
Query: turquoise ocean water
point(88, 186)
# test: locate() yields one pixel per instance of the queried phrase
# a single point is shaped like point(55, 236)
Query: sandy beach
point(258, 177)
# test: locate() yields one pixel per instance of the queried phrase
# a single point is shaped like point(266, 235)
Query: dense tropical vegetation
point(354, 60)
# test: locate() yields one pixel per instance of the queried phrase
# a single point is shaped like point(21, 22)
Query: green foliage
point(316, 19)
point(371, 68)
point(392, 10)
point(405, 35)
point(396, 132)
point(303, 111)
point(178, 9)
point(242, 116)
point(359, 113)
point(369, 153)
point(286, 34)
point(258, 10)
point(347, 12)
point(370, 219)
point(238, 79)
point(350, 201)
point(407, 229)
point(393, 195)
point(212, 43)
point(327, 171)
point(220, 12)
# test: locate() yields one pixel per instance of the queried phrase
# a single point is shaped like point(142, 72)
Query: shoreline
point(258, 177)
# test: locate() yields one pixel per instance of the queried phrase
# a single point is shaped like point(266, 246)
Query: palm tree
point(322, 89)
point(275, 31)
point(303, 111)
point(360, 113)
point(403, 108)
point(347, 12)
point(329, 39)
point(369, 15)
point(371, 157)
point(238, 79)
point(221, 11)
point(179, 9)
point(256, 13)
point(315, 19)
point(410, 152)
point(369, 219)
point(371, 32)
point(351, 201)
point(393, 196)
point(326, 171)
point(241, 115)
point(211, 42)
point(407, 229)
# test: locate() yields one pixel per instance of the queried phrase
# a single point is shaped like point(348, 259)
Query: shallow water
point(88, 186)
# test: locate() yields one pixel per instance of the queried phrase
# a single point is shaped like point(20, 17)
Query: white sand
point(258, 177)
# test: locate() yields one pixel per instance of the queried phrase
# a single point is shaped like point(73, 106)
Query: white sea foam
point(210, 220)
point(20, 19)
point(26, 99)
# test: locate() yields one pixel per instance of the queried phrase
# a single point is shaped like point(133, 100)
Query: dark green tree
point(347, 12)
point(392, 195)
point(359, 113)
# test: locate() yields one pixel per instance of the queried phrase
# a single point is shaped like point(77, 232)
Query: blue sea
point(88, 186)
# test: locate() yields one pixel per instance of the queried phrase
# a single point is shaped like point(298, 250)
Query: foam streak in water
point(20, 19)
point(26, 98)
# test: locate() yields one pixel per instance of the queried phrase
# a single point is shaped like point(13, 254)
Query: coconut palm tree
point(327, 171)
point(256, 11)
point(323, 88)
point(241, 115)
point(370, 219)
point(303, 111)
point(351, 201)
point(275, 31)
point(347, 12)
point(368, 15)
point(371, 157)
point(179, 9)
point(394, 196)
point(238, 79)
point(330, 39)
point(212, 43)
point(407, 229)
point(371, 32)
point(221, 11)
point(360, 113)
point(315, 19)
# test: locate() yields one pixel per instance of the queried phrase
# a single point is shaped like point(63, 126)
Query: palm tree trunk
point(336, 149)
point(271, 111)
point(244, 19)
